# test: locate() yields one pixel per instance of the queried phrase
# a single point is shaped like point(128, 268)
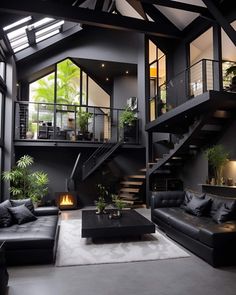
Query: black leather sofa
point(32, 242)
point(215, 243)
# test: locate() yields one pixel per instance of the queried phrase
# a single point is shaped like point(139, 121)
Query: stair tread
point(129, 198)
point(132, 182)
point(138, 176)
point(129, 189)
point(143, 170)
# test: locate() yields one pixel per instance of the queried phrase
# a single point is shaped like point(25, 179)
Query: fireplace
point(66, 200)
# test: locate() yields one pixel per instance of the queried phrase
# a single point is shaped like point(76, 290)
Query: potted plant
point(83, 118)
point(118, 203)
point(101, 202)
point(24, 183)
point(218, 158)
point(127, 122)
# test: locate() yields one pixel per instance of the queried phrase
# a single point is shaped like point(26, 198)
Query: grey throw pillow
point(5, 216)
point(198, 206)
point(27, 202)
point(22, 214)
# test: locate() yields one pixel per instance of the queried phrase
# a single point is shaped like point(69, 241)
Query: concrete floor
point(183, 276)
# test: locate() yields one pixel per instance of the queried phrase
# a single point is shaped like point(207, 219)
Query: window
point(157, 81)
point(201, 56)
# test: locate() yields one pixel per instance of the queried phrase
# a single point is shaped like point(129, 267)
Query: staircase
point(132, 189)
point(102, 154)
point(205, 130)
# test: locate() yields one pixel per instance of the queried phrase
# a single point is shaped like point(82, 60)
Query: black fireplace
point(66, 200)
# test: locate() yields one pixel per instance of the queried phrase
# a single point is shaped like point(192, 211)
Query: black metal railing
point(190, 83)
point(64, 122)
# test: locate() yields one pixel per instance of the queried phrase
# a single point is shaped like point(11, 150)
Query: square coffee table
point(131, 223)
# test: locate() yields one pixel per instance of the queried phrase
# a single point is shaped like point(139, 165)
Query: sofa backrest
point(167, 199)
point(217, 201)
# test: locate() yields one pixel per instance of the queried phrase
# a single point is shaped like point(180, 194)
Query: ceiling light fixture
point(127, 72)
point(107, 79)
point(103, 65)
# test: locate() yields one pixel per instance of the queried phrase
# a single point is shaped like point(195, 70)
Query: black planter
point(130, 132)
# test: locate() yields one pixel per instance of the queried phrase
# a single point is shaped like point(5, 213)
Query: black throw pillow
point(5, 216)
point(22, 214)
point(198, 206)
point(27, 202)
point(223, 214)
point(188, 197)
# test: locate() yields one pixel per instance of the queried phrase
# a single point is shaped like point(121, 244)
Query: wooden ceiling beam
point(84, 16)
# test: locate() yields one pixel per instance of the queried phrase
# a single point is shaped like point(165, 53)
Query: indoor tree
point(24, 183)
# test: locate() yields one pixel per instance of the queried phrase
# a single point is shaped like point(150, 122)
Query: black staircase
point(102, 154)
point(204, 128)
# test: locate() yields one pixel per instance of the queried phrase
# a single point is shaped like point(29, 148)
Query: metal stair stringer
point(99, 157)
point(194, 129)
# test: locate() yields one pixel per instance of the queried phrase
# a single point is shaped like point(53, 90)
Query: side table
point(3, 271)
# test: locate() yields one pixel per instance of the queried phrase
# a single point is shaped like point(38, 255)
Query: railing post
point(204, 76)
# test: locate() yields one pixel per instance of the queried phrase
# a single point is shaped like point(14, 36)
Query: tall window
point(229, 60)
point(201, 65)
point(157, 80)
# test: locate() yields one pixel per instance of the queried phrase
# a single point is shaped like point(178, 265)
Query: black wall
point(58, 162)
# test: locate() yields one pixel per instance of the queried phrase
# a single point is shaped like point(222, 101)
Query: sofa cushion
point(217, 201)
point(218, 235)
point(164, 213)
point(198, 206)
point(38, 234)
point(5, 215)
point(223, 213)
point(21, 214)
point(27, 202)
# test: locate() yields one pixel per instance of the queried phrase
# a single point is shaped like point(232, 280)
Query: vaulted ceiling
point(162, 18)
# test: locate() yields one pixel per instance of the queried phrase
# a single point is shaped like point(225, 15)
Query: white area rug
point(74, 250)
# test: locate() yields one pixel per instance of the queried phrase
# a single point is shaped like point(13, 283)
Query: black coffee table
point(131, 223)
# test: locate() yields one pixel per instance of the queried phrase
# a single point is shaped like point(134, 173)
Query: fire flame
point(66, 201)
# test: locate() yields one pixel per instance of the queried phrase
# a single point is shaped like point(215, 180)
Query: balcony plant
point(83, 118)
point(24, 183)
point(218, 158)
point(127, 122)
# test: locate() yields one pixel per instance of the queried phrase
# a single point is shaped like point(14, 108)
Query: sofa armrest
point(167, 199)
point(42, 211)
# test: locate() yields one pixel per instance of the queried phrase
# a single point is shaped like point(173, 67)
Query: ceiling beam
point(160, 19)
point(180, 5)
point(84, 16)
point(221, 20)
point(137, 6)
point(99, 5)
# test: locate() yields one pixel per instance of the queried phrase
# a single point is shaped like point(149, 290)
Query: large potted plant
point(83, 118)
point(127, 122)
point(24, 183)
point(217, 158)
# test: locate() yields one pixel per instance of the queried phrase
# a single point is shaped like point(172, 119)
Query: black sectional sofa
point(210, 235)
point(32, 242)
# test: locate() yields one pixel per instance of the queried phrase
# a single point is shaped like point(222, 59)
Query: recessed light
point(107, 79)
point(127, 72)
point(103, 65)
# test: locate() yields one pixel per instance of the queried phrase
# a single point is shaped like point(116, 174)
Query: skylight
point(21, 37)
point(17, 23)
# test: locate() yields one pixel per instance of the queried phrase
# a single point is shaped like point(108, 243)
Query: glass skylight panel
point(16, 33)
point(19, 41)
point(41, 22)
point(49, 28)
point(43, 37)
point(21, 47)
point(17, 23)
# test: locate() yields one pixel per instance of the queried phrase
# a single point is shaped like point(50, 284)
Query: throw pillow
point(198, 206)
point(22, 214)
point(27, 202)
point(223, 214)
point(188, 197)
point(5, 216)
